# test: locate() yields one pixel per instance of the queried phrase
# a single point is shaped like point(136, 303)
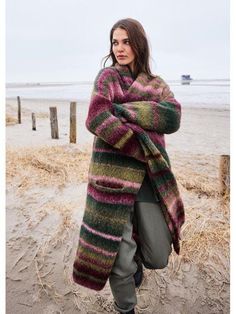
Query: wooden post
point(19, 109)
point(54, 122)
point(73, 122)
point(224, 175)
point(33, 122)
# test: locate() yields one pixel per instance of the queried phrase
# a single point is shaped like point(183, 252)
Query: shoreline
point(223, 107)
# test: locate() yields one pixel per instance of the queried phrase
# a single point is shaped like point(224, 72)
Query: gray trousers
point(155, 248)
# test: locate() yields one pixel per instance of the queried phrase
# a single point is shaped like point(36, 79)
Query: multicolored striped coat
point(129, 118)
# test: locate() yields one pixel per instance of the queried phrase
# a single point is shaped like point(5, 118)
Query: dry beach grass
point(46, 189)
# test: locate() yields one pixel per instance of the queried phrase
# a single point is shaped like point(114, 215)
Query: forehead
point(119, 34)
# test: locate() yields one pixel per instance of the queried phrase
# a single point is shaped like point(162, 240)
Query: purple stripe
point(107, 179)
point(92, 272)
point(86, 282)
point(95, 248)
point(105, 124)
point(84, 262)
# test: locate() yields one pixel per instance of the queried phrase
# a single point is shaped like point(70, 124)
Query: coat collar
point(130, 83)
point(124, 70)
point(125, 75)
point(127, 78)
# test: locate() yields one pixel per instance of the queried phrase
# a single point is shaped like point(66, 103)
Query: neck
point(131, 66)
point(131, 69)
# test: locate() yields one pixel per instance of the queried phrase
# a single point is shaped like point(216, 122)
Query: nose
point(120, 47)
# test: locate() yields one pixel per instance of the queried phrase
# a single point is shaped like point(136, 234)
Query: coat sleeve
point(162, 116)
point(101, 120)
point(171, 108)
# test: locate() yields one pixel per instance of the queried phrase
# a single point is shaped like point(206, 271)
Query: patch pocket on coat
point(106, 186)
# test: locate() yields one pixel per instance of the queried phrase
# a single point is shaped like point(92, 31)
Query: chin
point(121, 62)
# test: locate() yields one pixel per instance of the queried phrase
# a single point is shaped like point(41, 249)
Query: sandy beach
point(46, 183)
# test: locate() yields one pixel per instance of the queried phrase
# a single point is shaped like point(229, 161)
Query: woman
point(133, 208)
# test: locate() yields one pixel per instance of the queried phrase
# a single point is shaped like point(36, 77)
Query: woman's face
point(121, 48)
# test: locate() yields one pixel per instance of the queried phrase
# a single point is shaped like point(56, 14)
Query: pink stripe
point(116, 180)
point(101, 234)
point(173, 207)
point(173, 101)
point(111, 198)
point(105, 124)
point(157, 138)
point(104, 150)
point(96, 249)
point(171, 226)
point(98, 104)
point(133, 115)
point(149, 89)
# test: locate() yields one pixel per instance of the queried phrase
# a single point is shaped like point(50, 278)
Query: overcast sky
point(65, 40)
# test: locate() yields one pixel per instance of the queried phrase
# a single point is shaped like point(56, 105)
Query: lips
point(121, 57)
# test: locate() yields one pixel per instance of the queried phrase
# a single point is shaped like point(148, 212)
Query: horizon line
point(41, 83)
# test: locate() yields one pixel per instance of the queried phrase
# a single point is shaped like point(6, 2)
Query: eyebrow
point(114, 39)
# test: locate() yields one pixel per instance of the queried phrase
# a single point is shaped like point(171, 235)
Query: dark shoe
point(130, 312)
point(138, 276)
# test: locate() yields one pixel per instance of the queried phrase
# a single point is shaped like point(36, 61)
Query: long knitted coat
point(129, 118)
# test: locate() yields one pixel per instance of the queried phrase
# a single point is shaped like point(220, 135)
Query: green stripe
point(107, 131)
point(99, 224)
point(106, 215)
point(94, 266)
point(170, 117)
point(98, 241)
point(113, 158)
point(163, 153)
point(109, 78)
point(98, 120)
point(108, 260)
point(119, 172)
point(108, 210)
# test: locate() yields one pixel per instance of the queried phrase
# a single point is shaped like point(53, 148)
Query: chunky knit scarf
point(129, 118)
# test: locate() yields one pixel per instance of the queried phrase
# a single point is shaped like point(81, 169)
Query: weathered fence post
point(224, 175)
point(19, 109)
point(73, 122)
point(54, 122)
point(33, 122)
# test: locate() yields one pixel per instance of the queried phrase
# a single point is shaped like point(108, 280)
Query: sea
point(207, 93)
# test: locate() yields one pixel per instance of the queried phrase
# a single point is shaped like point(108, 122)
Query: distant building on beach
point(185, 79)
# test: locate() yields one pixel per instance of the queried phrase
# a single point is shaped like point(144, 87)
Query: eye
point(114, 43)
point(127, 42)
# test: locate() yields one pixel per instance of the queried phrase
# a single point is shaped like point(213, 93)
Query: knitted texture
point(129, 119)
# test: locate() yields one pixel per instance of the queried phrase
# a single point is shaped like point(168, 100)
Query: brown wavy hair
point(139, 44)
